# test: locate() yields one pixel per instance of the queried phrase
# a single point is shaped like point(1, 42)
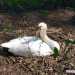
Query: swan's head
point(42, 26)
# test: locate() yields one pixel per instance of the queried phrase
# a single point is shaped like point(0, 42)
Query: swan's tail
point(4, 49)
point(5, 45)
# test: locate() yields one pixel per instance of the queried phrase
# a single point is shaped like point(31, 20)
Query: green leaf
point(67, 42)
point(56, 53)
point(73, 42)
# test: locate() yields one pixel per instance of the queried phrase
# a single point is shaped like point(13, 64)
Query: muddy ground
point(61, 26)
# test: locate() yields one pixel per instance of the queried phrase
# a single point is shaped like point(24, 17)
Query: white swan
point(32, 45)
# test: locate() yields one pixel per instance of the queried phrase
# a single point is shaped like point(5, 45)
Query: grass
point(44, 13)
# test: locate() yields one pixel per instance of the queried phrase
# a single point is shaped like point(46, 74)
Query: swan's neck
point(44, 37)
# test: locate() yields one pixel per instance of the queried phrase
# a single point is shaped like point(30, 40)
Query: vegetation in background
point(19, 5)
point(7, 29)
point(44, 12)
point(23, 5)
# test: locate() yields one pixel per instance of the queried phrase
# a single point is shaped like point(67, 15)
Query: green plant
point(56, 53)
point(66, 49)
point(69, 41)
point(68, 45)
point(29, 4)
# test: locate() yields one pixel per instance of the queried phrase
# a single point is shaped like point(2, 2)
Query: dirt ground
point(60, 27)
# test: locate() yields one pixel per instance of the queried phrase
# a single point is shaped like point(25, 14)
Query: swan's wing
point(17, 41)
point(19, 46)
point(40, 48)
point(20, 49)
point(53, 44)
